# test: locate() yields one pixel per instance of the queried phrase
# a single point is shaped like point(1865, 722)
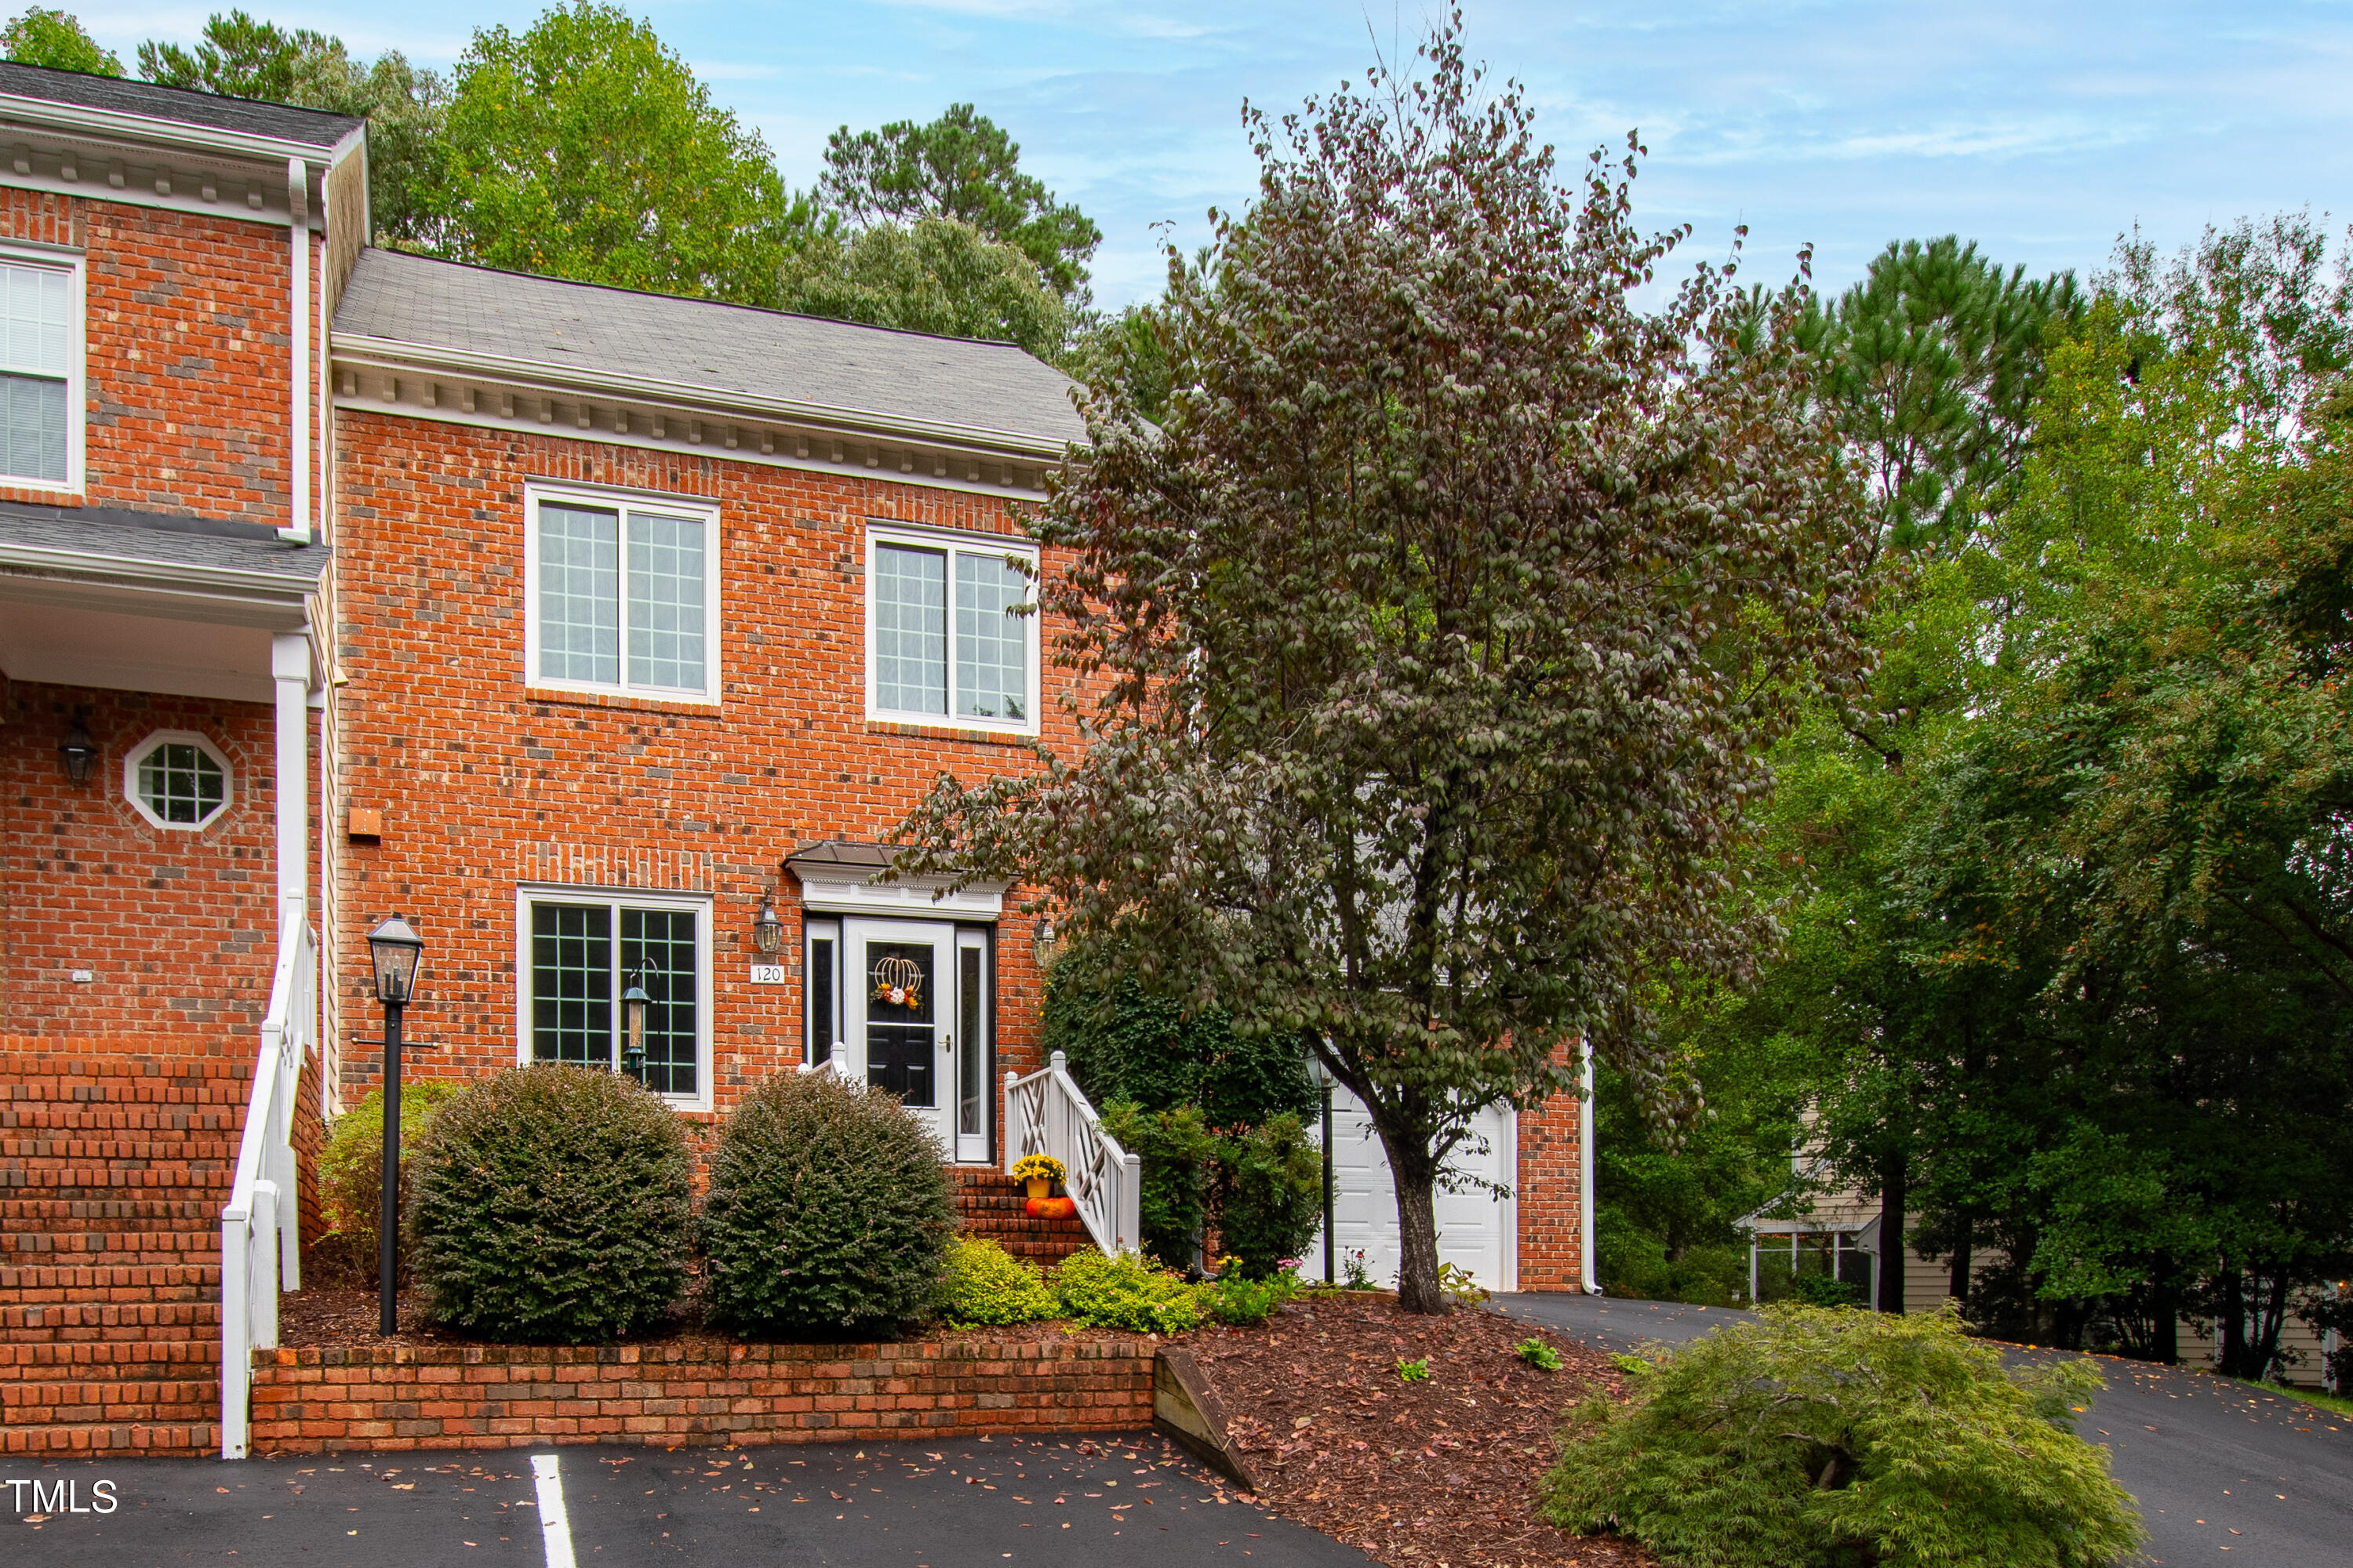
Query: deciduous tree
point(42, 36)
point(583, 147)
point(1437, 628)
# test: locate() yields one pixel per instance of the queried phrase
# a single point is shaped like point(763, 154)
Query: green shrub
point(1821, 1290)
point(987, 1286)
point(1178, 1154)
point(1098, 1291)
point(551, 1205)
point(1235, 1298)
point(1270, 1192)
point(351, 1179)
point(1816, 1439)
point(829, 1211)
point(1416, 1370)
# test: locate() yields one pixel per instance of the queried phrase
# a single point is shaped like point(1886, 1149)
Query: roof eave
point(80, 118)
point(391, 353)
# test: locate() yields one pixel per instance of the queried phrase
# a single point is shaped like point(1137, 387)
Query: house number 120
point(767, 974)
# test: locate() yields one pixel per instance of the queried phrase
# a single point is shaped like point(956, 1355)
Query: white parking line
point(554, 1529)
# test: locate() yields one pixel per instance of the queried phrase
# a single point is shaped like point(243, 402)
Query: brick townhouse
point(604, 636)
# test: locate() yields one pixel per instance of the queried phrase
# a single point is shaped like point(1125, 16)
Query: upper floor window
point(949, 636)
point(624, 595)
point(40, 369)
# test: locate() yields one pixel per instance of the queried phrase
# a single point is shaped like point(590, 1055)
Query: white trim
point(298, 446)
point(812, 932)
point(616, 899)
point(1507, 1209)
point(537, 494)
point(74, 265)
point(137, 754)
point(908, 899)
point(952, 543)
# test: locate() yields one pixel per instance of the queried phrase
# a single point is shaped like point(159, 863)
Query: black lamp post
point(633, 1029)
point(397, 950)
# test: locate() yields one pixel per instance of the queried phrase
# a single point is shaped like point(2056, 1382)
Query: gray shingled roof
point(309, 127)
point(162, 539)
point(765, 356)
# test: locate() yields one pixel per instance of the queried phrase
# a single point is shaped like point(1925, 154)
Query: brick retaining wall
point(696, 1394)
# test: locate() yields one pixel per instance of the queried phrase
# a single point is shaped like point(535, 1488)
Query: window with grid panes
point(584, 953)
point(622, 595)
point(951, 638)
point(36, 372)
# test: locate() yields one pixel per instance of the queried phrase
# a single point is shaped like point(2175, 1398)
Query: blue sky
point(2040, 130)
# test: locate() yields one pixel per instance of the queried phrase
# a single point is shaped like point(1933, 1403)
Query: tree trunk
point(2271, 1310)
point(1892, 1172)
point(2234, 1326)
point(1416, 1174)
point(1958, 1285)
point(2165, 1310)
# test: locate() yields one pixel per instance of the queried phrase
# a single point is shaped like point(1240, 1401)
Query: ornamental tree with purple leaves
point(1431, 641)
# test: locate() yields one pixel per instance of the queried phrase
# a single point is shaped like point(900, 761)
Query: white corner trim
point(909, 897)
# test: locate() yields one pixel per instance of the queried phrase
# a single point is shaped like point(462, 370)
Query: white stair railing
point(260, 1227)
point(1046, 1113)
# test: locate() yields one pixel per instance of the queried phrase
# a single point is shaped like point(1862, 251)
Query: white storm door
point(899, 1013)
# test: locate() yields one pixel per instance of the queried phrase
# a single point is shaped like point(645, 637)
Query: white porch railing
point(260, 1240)
point(1045, 1113)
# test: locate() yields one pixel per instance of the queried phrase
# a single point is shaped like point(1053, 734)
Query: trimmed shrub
point(551, 1205)
point(1270, 1190)
point(1098, 1291)
point(829, 1211)
point(1178, 1153)
point(987, 1286)
point(1815, 1439)
point(351, 1181)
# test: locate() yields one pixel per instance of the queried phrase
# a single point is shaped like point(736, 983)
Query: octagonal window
point(176, 780)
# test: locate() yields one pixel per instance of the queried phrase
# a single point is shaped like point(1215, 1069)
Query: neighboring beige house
point(1838, 1232)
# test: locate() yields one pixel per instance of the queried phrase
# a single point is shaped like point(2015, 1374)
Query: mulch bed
point(1441, 1474)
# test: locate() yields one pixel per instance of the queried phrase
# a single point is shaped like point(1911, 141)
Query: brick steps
point(79, 1322)
point(48, 1249)
point(989, 1203)
point(138, 1282)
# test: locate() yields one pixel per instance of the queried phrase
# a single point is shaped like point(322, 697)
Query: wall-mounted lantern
point(78, 751)
point(767, 930)
point(633, 1002)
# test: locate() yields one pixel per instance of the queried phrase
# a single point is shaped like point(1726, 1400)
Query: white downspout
point(297, 205)
point(1585, 1172)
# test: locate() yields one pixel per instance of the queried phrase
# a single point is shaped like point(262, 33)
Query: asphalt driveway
point(2215, 1465)
point(1042, 1503)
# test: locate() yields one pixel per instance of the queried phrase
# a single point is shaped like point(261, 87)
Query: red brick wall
point(178, 926)
point(483, 786)
point(500, 1396)
point(1552, 1221)
point(188, 355)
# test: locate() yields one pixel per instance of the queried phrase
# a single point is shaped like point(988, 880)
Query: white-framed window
point(623, 594)
point(40, 369)
point(177, 779)
point(579, 949)
point(948, 638)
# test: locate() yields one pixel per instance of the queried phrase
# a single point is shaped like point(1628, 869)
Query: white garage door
point(1477, 1231)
